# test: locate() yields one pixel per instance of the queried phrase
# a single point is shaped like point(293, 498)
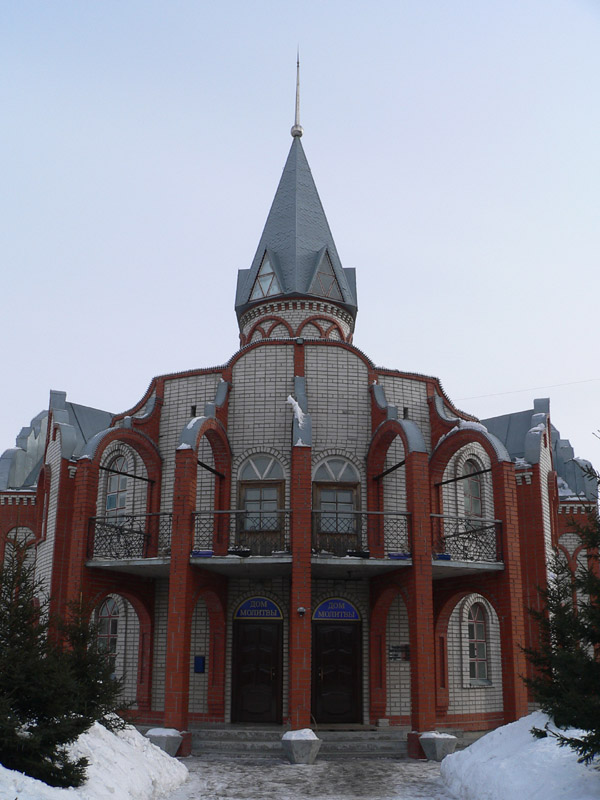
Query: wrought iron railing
point(467, 538)
point(252, 533)
point(130, 536)
point(343, 532)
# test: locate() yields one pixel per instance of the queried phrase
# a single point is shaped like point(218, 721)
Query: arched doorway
point(337, 662)
point(256, 662)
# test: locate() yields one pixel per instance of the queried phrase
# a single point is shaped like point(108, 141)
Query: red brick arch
point(147, 451)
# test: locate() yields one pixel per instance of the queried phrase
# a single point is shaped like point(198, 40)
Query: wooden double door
point(257, 672)
point(337, 672)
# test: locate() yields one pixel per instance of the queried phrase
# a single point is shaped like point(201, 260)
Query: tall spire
point(296, 255)
point(297, 128)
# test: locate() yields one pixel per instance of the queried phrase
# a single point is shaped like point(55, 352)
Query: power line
point(532, 389)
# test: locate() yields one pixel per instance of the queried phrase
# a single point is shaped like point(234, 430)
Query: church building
point(299, 537)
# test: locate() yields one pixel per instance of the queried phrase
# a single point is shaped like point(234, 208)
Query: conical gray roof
point(298, 244)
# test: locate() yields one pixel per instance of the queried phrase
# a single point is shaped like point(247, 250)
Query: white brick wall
point(180, 395)
point(410, 394)
point(570, 541)
point(161, 604)
point(545, 469)
point(258, 412)
point(398, 670)
point(198, 697)
point(337, 386)
point(45, 551)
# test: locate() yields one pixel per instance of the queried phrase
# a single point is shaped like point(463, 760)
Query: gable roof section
point(297, 238)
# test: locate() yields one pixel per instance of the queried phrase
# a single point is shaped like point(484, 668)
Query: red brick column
point(84, 507)
point(300, 592)
point(182, 583)
point(510, 592)
point(420, 601)
point(533, 549)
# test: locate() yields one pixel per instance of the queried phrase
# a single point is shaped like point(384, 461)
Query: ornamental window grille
point(335, 497)
point(266, 283)
point(472, 489)
point(477, 629)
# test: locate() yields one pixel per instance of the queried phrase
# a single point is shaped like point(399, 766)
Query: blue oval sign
point(336, 609)
point(258, 608)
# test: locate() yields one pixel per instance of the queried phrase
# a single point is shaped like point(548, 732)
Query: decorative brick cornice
point(523, 478)
point(574, 508)
point(17, 499)
point(315, 306)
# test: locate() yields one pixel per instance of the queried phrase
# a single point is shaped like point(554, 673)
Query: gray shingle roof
point(295, 238)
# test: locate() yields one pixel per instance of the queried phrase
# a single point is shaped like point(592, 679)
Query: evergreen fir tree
point(97, 690)
point(52, 688)
point(566, 681)
point(36, 724)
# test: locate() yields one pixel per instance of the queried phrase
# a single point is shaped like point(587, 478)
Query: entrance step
point(225, 742)
point(232, 741)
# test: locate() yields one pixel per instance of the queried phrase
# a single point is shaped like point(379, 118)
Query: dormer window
point(325, 283)
point(266, 281)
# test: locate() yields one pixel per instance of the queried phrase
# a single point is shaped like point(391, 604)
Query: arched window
point(261, 521)
point(471, 488)
point(108, 627)
point(336, 522)
point(116, 487)
point(478, 663)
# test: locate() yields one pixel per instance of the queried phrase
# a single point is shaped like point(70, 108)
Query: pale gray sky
point(454, 146)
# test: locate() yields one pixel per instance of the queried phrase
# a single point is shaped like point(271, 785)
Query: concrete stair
point(224, 742)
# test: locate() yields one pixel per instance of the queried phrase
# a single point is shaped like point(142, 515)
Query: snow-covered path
point(271, 779)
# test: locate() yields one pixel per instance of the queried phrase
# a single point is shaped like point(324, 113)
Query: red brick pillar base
point(185, 748)
point(413, 746)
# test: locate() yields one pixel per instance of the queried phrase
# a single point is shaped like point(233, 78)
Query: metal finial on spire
point(297, 128)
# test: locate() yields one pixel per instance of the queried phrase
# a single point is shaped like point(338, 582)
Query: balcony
point(342, 533)
point(466, 538)
point(248, 533)
point(129, 536)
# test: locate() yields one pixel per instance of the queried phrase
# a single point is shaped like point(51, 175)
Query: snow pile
point(510, 762)
point(121, 766)
point(298, 413)
point(303, 733)
point(436, 735)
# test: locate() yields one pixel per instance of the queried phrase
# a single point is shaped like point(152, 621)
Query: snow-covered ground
point(506, 763)
point(510, 763)
point(123, 766)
